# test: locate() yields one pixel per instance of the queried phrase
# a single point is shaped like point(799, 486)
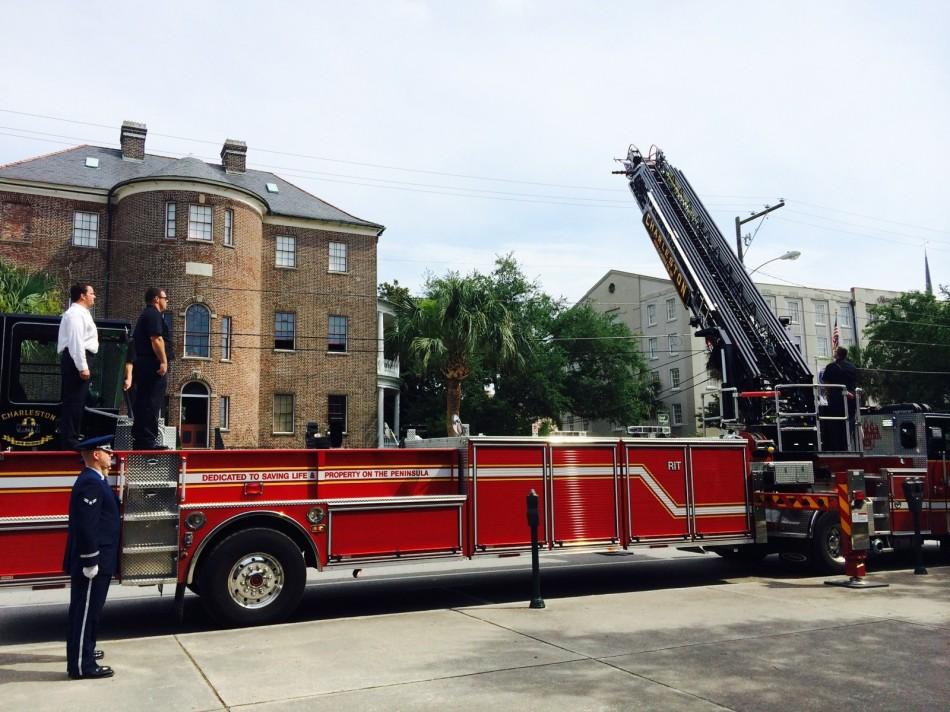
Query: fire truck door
point(657, 501)
point(502, 476)
point(938, 473)
point(584, 494)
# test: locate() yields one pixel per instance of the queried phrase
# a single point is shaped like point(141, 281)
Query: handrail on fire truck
point(789, 421)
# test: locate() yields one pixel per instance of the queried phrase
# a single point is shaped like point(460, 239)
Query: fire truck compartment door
point(718, 485)
point(502, 477)
point(395, 527)
point(583, 491)
point(657, 501)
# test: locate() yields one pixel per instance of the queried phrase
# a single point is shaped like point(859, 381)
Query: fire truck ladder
point(756, 351)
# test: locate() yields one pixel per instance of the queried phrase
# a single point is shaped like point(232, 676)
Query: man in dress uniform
point(91, 556)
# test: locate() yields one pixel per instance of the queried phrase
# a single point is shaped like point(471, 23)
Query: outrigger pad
point(855, 582)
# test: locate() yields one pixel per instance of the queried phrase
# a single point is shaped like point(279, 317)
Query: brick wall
point(144, 257)
point(36, 232)
point(311, 373)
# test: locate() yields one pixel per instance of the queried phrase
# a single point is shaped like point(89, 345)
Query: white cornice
point(89, 195)
point(149, 186)
point(314, 224)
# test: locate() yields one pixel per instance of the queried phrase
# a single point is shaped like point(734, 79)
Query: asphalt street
point(657, 629)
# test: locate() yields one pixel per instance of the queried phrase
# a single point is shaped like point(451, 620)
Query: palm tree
point(27, 292)
point(459, 318)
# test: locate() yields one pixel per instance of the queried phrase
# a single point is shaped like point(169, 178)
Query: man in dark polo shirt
point(152, 345)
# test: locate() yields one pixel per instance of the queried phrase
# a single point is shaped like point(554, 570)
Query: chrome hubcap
point(833, 543)
point(255, 580)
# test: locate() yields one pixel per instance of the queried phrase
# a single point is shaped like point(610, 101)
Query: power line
point(439, 173)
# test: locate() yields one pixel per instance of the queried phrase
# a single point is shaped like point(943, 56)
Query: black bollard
point(914, 494)
point(533, 521)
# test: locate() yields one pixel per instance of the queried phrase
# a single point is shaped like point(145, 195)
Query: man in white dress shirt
point(78, 339)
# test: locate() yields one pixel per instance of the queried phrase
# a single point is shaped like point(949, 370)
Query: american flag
point(835, 337)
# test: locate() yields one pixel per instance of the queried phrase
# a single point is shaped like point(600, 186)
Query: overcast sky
point(476, 129)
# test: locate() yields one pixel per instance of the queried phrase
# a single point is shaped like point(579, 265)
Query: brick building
point(273, 291)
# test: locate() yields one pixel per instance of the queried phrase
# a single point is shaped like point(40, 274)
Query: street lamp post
point(754, 216)
point(790, 255)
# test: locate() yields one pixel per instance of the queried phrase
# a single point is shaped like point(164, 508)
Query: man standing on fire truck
point(77, 339)
point(91, 556)
point(843, 373)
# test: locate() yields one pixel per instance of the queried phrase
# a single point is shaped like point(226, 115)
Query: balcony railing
point(387, 367)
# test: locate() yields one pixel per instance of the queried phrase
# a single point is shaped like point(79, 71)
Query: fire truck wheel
point(253, 577)
point(826, 545)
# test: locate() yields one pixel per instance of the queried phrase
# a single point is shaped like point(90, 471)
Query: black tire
point(749, 553)
point(252, 577)
point(826, 555)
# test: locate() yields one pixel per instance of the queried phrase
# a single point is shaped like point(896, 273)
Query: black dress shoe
point(95, 673)
point(99, 654)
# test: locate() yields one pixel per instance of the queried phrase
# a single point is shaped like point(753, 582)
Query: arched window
point(198, 331)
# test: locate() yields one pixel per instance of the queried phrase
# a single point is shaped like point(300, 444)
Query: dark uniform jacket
point(93, 525)
point(842, 373)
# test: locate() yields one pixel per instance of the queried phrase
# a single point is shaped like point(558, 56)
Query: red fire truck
point(241, 527)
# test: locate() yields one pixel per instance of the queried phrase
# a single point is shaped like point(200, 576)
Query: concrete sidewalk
point(762, 645)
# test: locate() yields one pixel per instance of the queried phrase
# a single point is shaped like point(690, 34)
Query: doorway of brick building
point(194, 415)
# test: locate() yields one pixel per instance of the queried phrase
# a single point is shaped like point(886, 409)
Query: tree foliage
point(459, 321)
point(906, 355)
point(558, 359)
point(25, 292)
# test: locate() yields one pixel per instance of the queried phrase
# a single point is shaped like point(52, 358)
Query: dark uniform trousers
point(149, 393)
point(86, 599)
point(93, 541)
point(73, 395)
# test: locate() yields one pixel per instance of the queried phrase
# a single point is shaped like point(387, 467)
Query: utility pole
point(754, 216)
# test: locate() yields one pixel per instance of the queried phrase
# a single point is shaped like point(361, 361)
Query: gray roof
point(69, 168)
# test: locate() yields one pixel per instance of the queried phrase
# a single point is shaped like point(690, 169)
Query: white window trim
point(346, 343)
point(346, 411)
point(173, 223)
point(222, 400)
point(675, 383)
point(184, 344)
point(651, 348)
point(188, 237)
point(671, 309)
point(346, 258)
point(230, 323)
point(285, 351)
point(673, 339)
point(73, 243)
point(277, 251)
point(674, 418)
point(796, 312)
point(823, 319)
point(228, 239)
point(293, 415)
point(651, 314)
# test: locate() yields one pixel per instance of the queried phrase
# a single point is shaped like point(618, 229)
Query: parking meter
point(914, 494)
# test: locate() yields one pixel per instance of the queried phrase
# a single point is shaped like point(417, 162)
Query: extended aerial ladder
point(767, 384)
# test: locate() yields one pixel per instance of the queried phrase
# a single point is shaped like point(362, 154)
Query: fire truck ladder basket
point(150, 523)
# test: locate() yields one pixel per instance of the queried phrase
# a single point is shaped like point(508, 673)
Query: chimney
point(132, 140)
point(234, 156)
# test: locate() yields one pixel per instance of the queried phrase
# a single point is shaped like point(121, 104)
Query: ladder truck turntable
point(241, 527)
